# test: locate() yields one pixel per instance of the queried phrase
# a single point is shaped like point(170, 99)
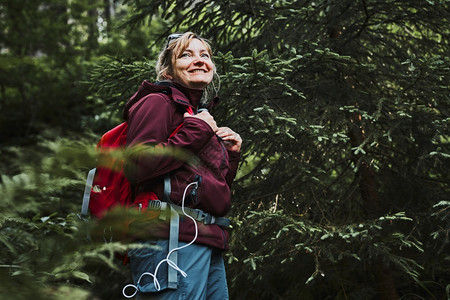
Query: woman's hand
point(231, 139)
point(205, 116)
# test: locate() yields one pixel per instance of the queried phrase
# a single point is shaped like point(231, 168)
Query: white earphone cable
point(169, 262)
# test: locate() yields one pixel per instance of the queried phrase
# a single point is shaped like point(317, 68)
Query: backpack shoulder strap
point(87, 195)
point(174, 223)
point(191, 112)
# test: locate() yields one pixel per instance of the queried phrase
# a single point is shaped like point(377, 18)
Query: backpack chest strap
point(174, 212)
point(197, 214)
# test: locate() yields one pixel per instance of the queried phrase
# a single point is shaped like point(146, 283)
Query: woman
point(166, 116)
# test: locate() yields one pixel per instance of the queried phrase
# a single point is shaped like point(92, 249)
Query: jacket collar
point(180, 94)
point(194, 96)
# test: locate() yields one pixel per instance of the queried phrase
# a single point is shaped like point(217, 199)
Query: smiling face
point(193, 67)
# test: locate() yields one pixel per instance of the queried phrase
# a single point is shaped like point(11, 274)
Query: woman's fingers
point(233, 140)
point(205, 116)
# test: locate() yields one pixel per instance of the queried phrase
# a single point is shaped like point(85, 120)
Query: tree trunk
point(367, 181)
point(369, 195)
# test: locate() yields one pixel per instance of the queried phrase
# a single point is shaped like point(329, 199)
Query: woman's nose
point(198, 61)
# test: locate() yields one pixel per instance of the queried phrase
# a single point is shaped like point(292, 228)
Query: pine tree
point(45, 147)
point(343, 191)
point(343, 107)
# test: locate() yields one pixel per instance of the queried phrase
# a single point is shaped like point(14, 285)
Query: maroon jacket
point(153, 113)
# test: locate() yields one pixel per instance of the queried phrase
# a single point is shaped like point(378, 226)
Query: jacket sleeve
point(150, 123)
point(234, 158)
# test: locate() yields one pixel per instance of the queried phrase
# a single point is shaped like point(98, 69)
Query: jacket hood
point(180, 94)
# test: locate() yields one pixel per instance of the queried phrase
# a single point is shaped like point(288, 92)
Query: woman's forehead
point(195, 42)
point(197, 45)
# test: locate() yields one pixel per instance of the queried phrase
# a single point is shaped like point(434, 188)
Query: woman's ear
point(167, 76)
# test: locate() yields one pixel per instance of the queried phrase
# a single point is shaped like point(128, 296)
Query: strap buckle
point(208, 219)
point(197, 214)
point(154, 205)
point(201, 216)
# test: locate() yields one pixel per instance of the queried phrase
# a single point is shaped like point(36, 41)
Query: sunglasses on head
point(172, 37)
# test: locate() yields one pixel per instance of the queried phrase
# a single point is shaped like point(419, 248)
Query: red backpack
point(109, 186)
point(106, 185)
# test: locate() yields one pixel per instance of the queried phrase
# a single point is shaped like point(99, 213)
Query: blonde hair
point(172, 50)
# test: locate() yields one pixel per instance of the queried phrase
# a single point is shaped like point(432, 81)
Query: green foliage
point(343, 109)
point(343, 106)
point(113, 78)
point(45, 249)
point(290, 241)
point(40, 235)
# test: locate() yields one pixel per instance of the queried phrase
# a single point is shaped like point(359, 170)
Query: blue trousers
point(204, 266)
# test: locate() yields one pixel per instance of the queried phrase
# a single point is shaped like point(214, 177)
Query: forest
point(343, 190)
